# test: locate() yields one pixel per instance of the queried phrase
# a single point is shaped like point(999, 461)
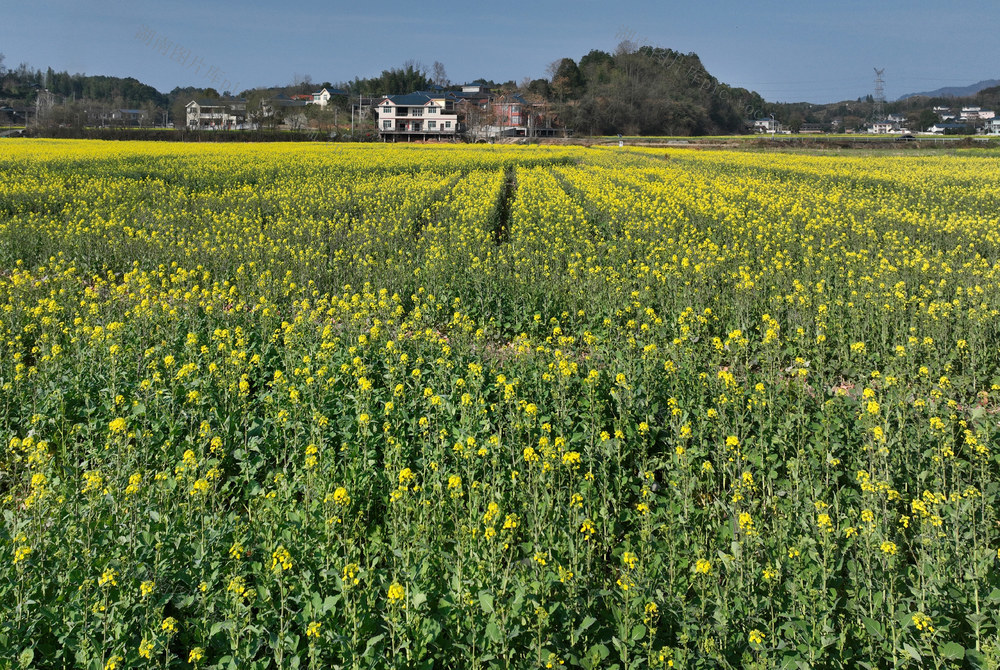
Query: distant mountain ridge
point(955, 91)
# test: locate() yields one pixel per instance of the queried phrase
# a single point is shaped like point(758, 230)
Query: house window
point(432, 125)
point(387, 125)
point(418, 111)
point(447, 124)
point(387, 110)
point(432, 110)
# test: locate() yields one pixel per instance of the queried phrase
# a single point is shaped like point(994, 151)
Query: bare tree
point(414, 65)
point(438, 74)
point(626, 47)
point(261, 112)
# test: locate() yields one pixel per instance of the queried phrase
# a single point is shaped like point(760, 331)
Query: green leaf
point(952, 651)
point(873, 627)
point(914, 654)
point(419, 599)
point(493, 632)
point(620, 646)
point(791, 661)
point(486, 600)
point(372, 643)
point(588, 621)
point(638, 631)
point(599, 651)
point(219, 626)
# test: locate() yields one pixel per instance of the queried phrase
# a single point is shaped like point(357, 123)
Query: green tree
point(567, 82)
point(924, 120)
point(540, 87)
point(596, 67)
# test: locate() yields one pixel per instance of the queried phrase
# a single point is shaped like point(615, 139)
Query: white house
point(417, 116)
point(216, 114)
point(970, 113)
point(947, 128)
point(475, 87)
point(768, 125)
point(993, 127)
point(882, 127)
point(322, 96)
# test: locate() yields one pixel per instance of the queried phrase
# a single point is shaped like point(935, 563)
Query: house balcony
point(419, 131)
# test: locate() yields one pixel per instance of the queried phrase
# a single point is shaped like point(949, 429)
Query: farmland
point(353, 406)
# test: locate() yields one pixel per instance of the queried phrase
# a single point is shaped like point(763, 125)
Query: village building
point(417, 116)
point(323, 96)
point(216, 114)
point(767, 125)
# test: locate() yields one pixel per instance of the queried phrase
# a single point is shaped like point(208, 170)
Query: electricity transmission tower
point(879, 110)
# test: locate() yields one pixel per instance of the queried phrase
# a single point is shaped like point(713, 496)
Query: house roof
point(471, 94)
point(512, 98)
point(410, 99)
point(205, 102)
point(286, 102)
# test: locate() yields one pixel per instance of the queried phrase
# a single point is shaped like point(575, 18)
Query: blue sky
point(816, 52)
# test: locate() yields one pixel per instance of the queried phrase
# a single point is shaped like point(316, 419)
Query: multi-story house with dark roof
point(216, 114)
point(417, 116)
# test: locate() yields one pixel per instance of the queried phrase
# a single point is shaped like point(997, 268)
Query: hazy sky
point(816, 52)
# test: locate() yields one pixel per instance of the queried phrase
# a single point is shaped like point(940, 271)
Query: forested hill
point(23, 84)
point(645, 91)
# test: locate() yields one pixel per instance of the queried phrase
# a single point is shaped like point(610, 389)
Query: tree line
point(635, 91)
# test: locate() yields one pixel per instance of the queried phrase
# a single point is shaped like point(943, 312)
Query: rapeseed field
point(287, 406)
